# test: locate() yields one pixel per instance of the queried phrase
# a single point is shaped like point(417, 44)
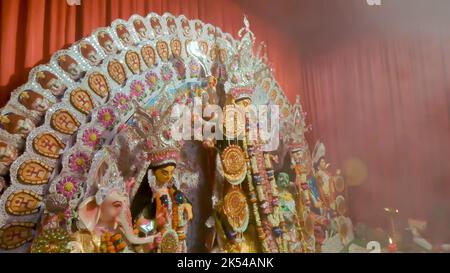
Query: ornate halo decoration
point(70, 118)
point(232, 113)
point(234, 164)
point(236, 209)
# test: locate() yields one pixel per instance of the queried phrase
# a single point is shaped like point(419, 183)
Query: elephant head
point(107, 206)
point(113, 213)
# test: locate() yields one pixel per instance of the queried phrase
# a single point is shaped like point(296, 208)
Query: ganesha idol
point(105, 214)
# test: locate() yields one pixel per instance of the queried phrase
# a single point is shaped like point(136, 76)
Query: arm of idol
point(148, 247)
point(188, 208)
point(129, 184)
point(131, 237)
point(162, 217)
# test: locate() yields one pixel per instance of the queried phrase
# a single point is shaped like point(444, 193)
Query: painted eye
point(117, 204)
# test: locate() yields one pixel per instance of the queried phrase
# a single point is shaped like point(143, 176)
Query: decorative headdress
point(103, 37)
point(104, 176)
point(245, 65)
point(65, 61)
point(295, 128)
point(318, 153)
point(86, 48)
point(155, 130)
point(44, 78)
point(121, 30)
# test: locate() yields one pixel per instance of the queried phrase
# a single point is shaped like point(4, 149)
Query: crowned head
point(155, 129)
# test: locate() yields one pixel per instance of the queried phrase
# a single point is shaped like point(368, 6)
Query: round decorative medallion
point(117, 72)
point(48, 144)
point(233, 122)
point(82, 101)
point(169, 242)
point(98, 84)
point(234, 164)
point(34, 172)
point(23, 202)
point(64, 122)
point(133, 61)
point(236, 209)
point(15, 235)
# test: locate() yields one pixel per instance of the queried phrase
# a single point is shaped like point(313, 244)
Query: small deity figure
point(218, 68)
point(71, 67)
point(171, 25)
point(325, 181)
point(49, 81)
point(186, 27)
point(107, 42)
point(163, 50)
point(106, 215)
point(154, 22)
point(344, 223)
point(159, 206)
point(8, 153)
point(16, 124)
point(90, 54)
point(123, 34)
point(34, 101)
point(288, 206)
point(140, 28)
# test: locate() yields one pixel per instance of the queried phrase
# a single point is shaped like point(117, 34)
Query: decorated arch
point(70, 117)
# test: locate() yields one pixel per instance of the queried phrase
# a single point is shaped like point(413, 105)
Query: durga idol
point(159, 206)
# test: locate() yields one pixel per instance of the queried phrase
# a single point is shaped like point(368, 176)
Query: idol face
point(7, 153)
point(74, 70)
point(222, 55)
point(109, 46)
point(322, 164)
point(93, 58)
point(24, 126)
point(56, 87)
point(164, 174)
point(112, 207)
point(244, 102)
point(283, 180)
point(40, 104)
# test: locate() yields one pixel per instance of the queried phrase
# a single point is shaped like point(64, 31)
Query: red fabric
point(32, 30)
point(382, 94)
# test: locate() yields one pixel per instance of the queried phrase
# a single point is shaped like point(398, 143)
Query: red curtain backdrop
point(32, 30)
point(376, 85)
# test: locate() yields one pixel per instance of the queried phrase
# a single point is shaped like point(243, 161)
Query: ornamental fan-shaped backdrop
point(55, 123)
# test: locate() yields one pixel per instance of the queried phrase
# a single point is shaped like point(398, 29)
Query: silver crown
point(104, 176)
point(245, 65)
